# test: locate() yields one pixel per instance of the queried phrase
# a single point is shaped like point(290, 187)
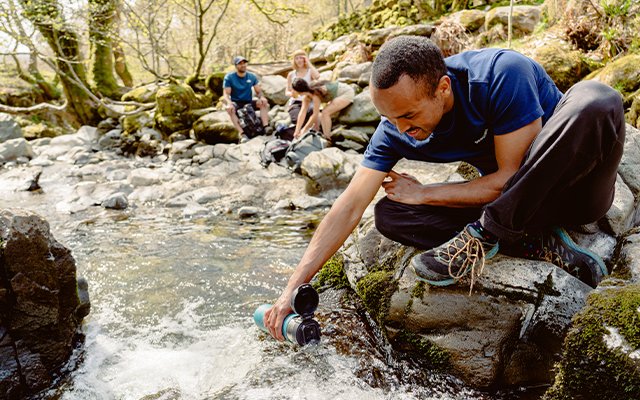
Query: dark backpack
point(302, 147)
point(249, 121)
point(273, 151)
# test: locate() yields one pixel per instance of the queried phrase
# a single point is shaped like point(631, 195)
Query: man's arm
point(226, 96)
point(334, 229)
point(510, 151)
point(258, 90)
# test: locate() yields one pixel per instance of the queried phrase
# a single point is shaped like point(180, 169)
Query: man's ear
point(444, 86)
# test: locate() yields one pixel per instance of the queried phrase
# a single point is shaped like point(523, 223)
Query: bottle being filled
point(298, 327)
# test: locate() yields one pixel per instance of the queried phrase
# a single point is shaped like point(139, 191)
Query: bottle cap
point(305, 300)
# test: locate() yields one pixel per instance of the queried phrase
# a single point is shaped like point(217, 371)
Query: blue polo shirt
point(496, 91)
point(240, 87)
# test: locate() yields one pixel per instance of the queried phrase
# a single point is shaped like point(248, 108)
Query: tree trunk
point(100, 33)
point(45, 15)
point(121, 66)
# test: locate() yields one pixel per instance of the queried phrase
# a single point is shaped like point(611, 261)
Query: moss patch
point(332, 275)
point(589, 367)
point(376, 290)
point(428, 352)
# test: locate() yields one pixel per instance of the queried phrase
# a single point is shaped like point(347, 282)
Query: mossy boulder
point(215, 127)
point(601, 355)
point(471, 20)
point(175, 102)
point(564, 65)
point(633, 114)
point(623, 74)
point(524, 19)
point(134, 123)
point(507, 332)
point(214, 85)
point(142, 94)
point(41, 130)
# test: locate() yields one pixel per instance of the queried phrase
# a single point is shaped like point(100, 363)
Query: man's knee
point(597, 99)
point(383, 217)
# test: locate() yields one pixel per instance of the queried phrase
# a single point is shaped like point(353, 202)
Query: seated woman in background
point(336, 95)
point(302, 68)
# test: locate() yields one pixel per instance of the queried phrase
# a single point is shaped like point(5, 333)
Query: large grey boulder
point(328, 169)
point(361, 111)
point(507, 331)
point(274, 87)
point(9, 128)
point(40, 308)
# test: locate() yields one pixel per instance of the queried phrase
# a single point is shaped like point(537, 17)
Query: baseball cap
point(238, 59)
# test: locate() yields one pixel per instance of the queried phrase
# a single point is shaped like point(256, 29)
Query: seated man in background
point(238, 93)
point(547, 161)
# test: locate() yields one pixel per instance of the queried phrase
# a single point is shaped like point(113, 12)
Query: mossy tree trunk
point(121, 66)
point(101, 23)
point(46, 16)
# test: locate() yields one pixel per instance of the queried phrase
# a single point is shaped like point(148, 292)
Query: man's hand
point(403, 188)
point(274, 316)
point(262, 101)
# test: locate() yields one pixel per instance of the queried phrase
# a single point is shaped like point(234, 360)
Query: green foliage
point(591, 368)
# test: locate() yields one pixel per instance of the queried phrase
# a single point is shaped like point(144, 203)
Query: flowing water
point(171, 312)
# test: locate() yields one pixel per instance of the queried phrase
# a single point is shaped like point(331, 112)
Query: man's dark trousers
point(567, 178)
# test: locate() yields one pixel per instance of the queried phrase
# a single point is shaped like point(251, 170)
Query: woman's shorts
point(345, 92)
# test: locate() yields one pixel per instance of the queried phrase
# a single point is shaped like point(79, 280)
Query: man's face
point(407, 105)
point(241, 66)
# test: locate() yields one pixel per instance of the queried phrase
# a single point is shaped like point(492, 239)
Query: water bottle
point(299, 326)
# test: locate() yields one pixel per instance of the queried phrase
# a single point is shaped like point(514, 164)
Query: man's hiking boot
point(243, 138)
point(268, 130)
point(448, 263)
point(558, 248)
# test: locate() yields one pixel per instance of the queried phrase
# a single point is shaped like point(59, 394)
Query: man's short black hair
point(414, 56)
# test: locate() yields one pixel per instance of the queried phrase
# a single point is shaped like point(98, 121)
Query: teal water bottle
point(299, 326)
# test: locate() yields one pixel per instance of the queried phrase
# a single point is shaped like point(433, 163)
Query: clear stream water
point(171, 312)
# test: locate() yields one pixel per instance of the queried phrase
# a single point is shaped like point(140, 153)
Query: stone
point(38, 327)
point(517, 314)
point(361, 111)
point(328, 169)
point(248, 212)
point(274, 87)
point(621, 213)
point(318, 50)
point(215, 127)
point(12, 149)
point(117, 201)
point(9, 128)
point(524, 20)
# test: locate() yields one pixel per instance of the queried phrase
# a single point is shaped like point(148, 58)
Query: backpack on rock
point(302, 147)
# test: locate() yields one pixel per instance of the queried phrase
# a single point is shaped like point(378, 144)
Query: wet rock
point(248, 212)
point(508, 331)
point(116, 201)
point(38, 326)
